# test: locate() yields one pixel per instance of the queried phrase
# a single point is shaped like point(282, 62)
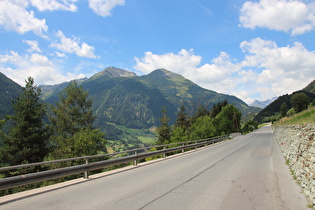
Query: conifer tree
point(182, 118)
point(27, 138)
point(164, 130)
point(72, 122)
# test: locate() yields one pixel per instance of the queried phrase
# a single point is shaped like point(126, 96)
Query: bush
point(249, 126)
point(291, 112)
point(299, 102)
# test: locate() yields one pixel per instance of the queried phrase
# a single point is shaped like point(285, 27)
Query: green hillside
point(122, 98)
point(310, 88)
point(9, 91)
point(126, 101)
point(180, 90)
point(273, 109)
point(304, 117)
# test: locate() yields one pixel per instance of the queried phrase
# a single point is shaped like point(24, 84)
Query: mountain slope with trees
point(272, 110)
point(9, 91)
point(122, 98)
point(310, 88)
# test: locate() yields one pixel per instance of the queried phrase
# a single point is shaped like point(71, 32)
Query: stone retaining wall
point(297, 143)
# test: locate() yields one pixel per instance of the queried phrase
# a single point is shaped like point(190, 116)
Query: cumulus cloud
point(51, 5)
point(14, 16)
point(33, 46)
point(20, 67)
point(69, 45)
point(266, 69)
point(294, 16)
point(104, 7)
point(282, 69)
point(184, 60)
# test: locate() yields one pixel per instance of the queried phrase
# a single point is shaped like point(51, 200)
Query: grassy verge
point(304, 117)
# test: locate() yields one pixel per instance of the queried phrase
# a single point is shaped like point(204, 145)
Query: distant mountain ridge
point(112, 72)
point(262, 104)
point(121, 97)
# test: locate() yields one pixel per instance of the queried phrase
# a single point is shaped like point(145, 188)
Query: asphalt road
point(247, 172)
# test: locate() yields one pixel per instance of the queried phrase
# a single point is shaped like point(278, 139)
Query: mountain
point(262, 104)
point(310, 88)
point(122, 98)
point(274, 108)
point(9, 90)
point(180, 90)
point(112, 72)
point(52, 91)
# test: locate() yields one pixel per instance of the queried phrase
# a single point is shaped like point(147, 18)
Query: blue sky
point(250, 49)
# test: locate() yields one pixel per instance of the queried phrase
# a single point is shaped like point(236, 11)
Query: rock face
point(297, 143)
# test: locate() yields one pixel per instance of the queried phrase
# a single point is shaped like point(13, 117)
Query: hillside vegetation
point(120, 98)
point(273, 110)
point(304, 117)
point(9, 91)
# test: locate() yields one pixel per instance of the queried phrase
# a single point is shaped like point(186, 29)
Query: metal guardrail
point(19, 180)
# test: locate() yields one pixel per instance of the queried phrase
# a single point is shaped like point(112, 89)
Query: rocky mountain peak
point(112, 72)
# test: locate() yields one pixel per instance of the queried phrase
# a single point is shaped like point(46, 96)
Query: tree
point(249, 126)
point(202, 128)
point(299, 102)
point(27, 138)
point(182, 118)
point(216, 109)
point(201, 111)
point(283, 109)
point(72, 122)
point(164, 130)
point(179, 130)
point(179, 134)
point(228, 120)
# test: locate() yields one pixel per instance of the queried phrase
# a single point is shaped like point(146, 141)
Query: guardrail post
point(164, 154)
point(86, 173)
point(135, 161)
point(183, 150)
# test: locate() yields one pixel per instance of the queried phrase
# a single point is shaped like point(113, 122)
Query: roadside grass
point(304, 117)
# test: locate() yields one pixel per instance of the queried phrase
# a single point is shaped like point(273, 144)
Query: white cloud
point(294, 16)
point(60, 55)
point(267, 70)
point(51, 5)
point(183, 61)
point(104, 7)
point(20, 67)
point(214, 76)
point(14, 16)
point(283, 69)
point(69, 45)
point(33, 46)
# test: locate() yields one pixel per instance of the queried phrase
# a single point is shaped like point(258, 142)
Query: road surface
point(247, 172)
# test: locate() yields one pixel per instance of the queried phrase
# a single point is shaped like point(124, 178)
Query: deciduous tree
point(299, 102)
